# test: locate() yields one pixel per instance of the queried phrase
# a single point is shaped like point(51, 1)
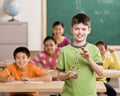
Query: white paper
point(24, 82)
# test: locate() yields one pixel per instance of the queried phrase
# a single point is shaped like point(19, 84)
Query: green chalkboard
point(104, 14)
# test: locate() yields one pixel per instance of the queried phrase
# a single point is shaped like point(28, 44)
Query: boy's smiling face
point(21, 60)
point(80, 32)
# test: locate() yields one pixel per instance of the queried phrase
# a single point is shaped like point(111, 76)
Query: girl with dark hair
point(58, 34)
point(49, 56)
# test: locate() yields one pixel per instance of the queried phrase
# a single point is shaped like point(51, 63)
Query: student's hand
point(10, 79)
point(72, 75)
point(111, 50)
point(85, 53)
point(25, 78)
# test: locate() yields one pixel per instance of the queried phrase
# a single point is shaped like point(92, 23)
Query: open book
point(24, 82)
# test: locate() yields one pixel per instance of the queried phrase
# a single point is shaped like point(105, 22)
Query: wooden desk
point(5, 62)
point(2, 65)
point(110, 73)
point(54, 86)
point(47, 87)
point(100, 87)
point(53, 73)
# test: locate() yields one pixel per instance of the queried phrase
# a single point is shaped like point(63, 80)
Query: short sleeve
point(38, 71)
point(60, 63)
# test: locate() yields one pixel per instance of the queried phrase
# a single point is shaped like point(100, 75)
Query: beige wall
point(32, 13)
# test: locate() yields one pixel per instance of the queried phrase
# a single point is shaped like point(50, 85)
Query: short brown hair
point(81, 18)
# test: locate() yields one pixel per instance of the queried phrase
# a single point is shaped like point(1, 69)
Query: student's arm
point(5, 76)
point(116, 62)
point(38, 74)
point(6, 79)
point(97, 68)
point(45, 78)
point(69, 75)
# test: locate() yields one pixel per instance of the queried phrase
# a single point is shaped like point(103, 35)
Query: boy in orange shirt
point(22, 70)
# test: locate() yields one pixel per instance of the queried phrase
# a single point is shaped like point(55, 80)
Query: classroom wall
point(32, 13)
point(104, 17)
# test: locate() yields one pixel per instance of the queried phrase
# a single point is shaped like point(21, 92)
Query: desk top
point(54, 86)
point(2, 65)
point(111, 73)
point(53, 73)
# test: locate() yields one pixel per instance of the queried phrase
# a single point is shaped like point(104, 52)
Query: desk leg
point(119, 84)
point(103, 94)
point(3, 94)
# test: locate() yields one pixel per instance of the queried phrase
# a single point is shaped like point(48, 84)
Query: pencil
point(8, 72)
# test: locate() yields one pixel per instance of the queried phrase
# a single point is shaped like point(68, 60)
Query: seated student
point(49, 57)
point(58, 34)
point(22, 70)
point(108, 62)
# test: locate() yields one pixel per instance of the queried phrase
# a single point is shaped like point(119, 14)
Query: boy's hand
point(24, 78)
point(10, 79)
point(85, 53)
point(111, 50)
point(72, 75)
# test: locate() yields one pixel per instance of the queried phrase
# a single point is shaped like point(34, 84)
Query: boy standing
point(22, 70)
point(79, 61)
